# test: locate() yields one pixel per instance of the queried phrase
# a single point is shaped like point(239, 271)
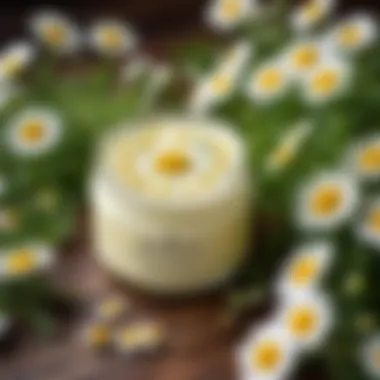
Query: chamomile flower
point(327, 81)
point(369, 228)
point(212, 90)
point(308, 318)
point(327, 201)
point(227, 14)
point(139, 336)
point(110, 308)
point(269, 82)
point(137, 67)
point(112, 38)
point(311, 13)
point(34, 132)
point(236, 57)
point(96, 334)
point(267, 354)
point(364, 158)
point(354, 33)
point(15, 59)
point(289, 145)
point(370, 355)
point(24, 260)
point(305, 268)
point(55, 31)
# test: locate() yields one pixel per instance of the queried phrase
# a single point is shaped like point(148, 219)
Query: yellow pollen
point(111, 37)
point(172, 162)
point(270, 79)
point(313, 10)
point(20, 261)
point(374, 220)
point(230, 8)
point(220, 84)
point(325, 81)
point(54, 34)
point(32, 130)
point(369, 158)
point(302, 321)
point(305, 57)
point(282, 155)
point(326, 200)
point(11, 65)
point(97, 335)
point(349, 35)
point(266, 356)
point(303, 270)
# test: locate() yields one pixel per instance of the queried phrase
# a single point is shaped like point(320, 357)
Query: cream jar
point(171, 202)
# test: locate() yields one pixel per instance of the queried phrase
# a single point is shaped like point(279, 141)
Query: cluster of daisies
point(301, 322)
point(316, 66)
point(109, 329)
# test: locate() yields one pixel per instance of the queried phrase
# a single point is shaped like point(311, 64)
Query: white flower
point(34, 131)
point(55, 31)
point(369, 355)
point(308, 318)
point(21, 261)
point(112, 38)
point(305, 268)
point(137, 67)
point(327, 81)
point(355, 32)
point(269, 81)
point(225, 15)
point(14, 59)
point(212, 90)
point(289, 145)
point(311, 13)
point(364, 158)
point(369, 227)
point(236, 57)
point(267, 354)
point(327, 201)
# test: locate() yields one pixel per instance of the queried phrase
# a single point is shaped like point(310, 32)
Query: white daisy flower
point(311, 13)
point(267, 354)
point(327, 201)
point(369, 228)
point(55, 31)
point(139, 336)
point(355, 32)
point(364, 158)
point(34, 131)
point(14, 59)
point(327, 81)
point(225, 15)
point(212, 90)
point(112, 38)
point(269, 82)
point(308, 318)
point(289, 145)
point(305, 268)
point(24, 260)
point(369, 355)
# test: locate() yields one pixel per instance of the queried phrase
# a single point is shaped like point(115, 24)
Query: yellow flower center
point(303, 270)
point(11, 65)
point(20, 261)
point(173, 162)
point(282, 155)
point(313, 10)
point(369, 158)
point(349, 35)
point(32, 130)
point(230, 8)
point(374, 220)
point(325, 81)
point(326, 200)
point(270, 79)
point(266, 356)
point(302, 321)
point(54, 34)
point(111, 37)
point(110, 308)
point(220, 84)
point(144, 334)
point(305, 57)
point(98, 335)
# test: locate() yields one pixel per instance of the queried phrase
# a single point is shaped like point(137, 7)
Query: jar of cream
point(170, 202)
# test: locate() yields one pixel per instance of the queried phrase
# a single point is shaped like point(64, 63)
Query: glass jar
point(157, 222)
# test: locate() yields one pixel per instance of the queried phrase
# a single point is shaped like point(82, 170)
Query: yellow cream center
point(54, 34)
point(313, 10)
point(230, 8)
point(325, 81)
point(326, 200)
point(374, 220)
point(20, 261)
point(270, 79)
point(32, 130)
point(369, 158)
point(172, 162)
point(220, 84)
point(111, 37)
point(98, 335)
point(349, 35)
point(305, 57)
point(303, 270)
point(302, 321)
point(266, 356)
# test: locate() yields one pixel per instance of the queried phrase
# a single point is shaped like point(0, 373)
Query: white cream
point(171, 204)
